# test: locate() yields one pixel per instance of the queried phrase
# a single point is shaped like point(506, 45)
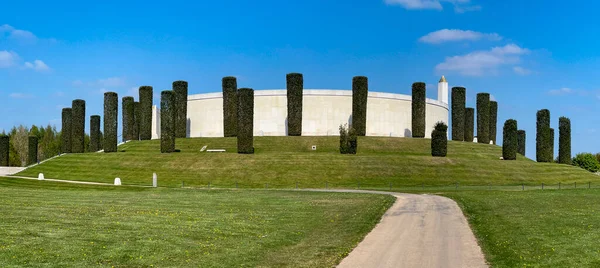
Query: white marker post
point(154, 180)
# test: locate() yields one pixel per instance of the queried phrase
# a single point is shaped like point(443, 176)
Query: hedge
point(295, 86)
point(483, 118)
point(145, 112)
point(360, 93)
point(459, 99)
point(510, 140)
point(4, 150)
point(78, 127)
point(348, 140)
point(181, 94)
point(439, 140)
point(493, 121)
point(230, 106)
point(564, 140)
point(167, 121)
point(418, 110)
point(95, 133)
point(32, 152)
point(136, 121)
point(128, 118)
point(522, 142)
point(552, 144)
point(111, 111)
point(469, 124)
point(245, 132)
point(542, 139)
point(67, 120)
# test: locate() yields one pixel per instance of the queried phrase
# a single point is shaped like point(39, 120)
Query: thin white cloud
point(454, 35)
point(37, 65)
point(8, 58)
point(460, 6)
point(479, 63)
point(18, 34)
point(521, 71)
point(111, 82)
point(17, 95)
point(561, 91)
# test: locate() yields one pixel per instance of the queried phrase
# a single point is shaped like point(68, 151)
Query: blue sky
point(528, 54)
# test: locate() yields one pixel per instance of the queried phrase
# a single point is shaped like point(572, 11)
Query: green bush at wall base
point(245, 132)
point(4, 150)
point(510, 141)
point(348, 140)
point(483, 118)
point(78, 127)
point(522, 142)
point(230, 106)
point(167, 121)
point(181, 94)
point(111, 110)
point(439, 140)
point(469, 124)
point(67, 121)
point(32, 155)
point(128, 118)
point(295, 86)
point(95, 133)
point(459, 100)
point(360, 93)
point(564, 140)
point(145, 112)
point(543, 149)
point(493, 121)
point(418, 109)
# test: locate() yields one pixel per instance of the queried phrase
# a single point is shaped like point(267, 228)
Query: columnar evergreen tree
point(459, 99)
point(167, 121)
point(181, 95)
point(230, 106)
point(32, 156)
point(295, 86)
point(469, 124)
point(360, 94)
point(483, 118)
point(543, 151)
point(95, 133)
point(522, 141)
point(136, 120)
point(145, 112)
point(510, 141)
point(111, 111)
point(67, 121)
point(245, 132)
point(78, 127)
point(552, 144)
point(564, 140)
point(4, 149)
point(439, 140)
point(418, 109)
point(493, 121)
point(128, 118)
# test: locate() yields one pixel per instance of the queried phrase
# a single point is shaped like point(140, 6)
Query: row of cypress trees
point(545, 138)
point(463, 117)
point(73, 127)
point(238, 111)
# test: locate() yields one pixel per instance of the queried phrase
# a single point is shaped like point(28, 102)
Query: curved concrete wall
point(322, 113)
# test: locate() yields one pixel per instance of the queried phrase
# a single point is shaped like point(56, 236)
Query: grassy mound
point(63, 225)
point(281, 162)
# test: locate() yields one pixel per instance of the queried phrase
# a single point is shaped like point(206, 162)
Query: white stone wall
point(322, 113)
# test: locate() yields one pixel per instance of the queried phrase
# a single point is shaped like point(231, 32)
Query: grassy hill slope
point(280, 162)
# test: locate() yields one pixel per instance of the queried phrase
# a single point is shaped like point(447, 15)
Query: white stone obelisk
point(443, 90)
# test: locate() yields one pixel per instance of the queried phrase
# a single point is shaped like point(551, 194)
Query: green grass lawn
point(45, 224)
point(551, 228)
point(280, 162)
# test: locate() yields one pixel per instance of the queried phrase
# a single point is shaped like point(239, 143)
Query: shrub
point(348, 140)
point(493, 121)
point(32, 155)
point(522, 141)
point(469, 124)
point(586, 161)
point(483, 118)
point(181, 94)
point(295, 86)
point(510, 141)
point(245, 132)
point(230, 106)
point(128, 118)
point(145, 112)
point(67, 120)
point(78, 127)
point(111, 110)
point(459, 98)
point(95, 133)
point(564, 140)
point(542, 139)
point(360, 93)
point(439, 140)
point(167, 121)
point(136, 121)
point(418, 110)
point(4, 149)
